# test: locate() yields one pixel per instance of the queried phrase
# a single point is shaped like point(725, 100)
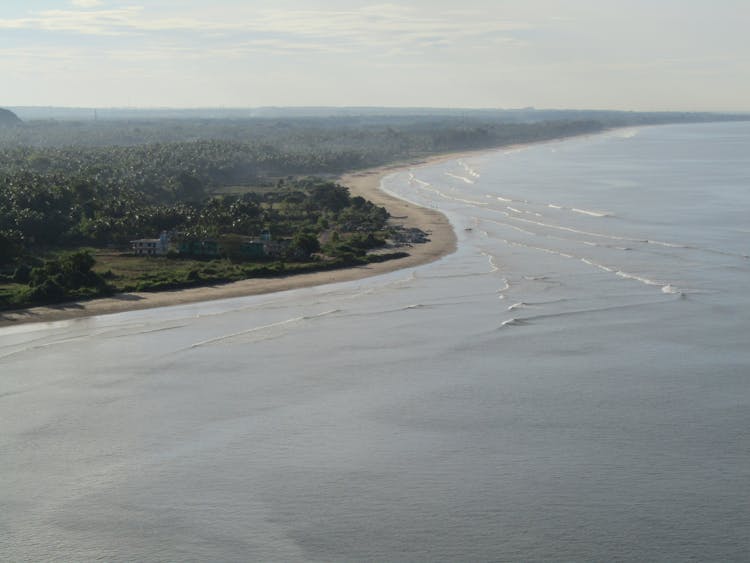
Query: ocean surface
point(572, 384)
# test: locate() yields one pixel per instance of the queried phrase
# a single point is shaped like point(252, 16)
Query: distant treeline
point(315, 224)
point(102, 182)
point(134, 165)
point(512, 115)
point(378, 136)
point(39, 212)
point(65, 185)
point(69, 184)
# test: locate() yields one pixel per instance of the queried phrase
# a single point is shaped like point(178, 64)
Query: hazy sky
point(624, 54)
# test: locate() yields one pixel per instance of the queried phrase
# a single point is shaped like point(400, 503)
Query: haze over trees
point(9, 119)
point(70, 184)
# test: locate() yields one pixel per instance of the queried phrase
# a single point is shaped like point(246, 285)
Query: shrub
point(48, 291)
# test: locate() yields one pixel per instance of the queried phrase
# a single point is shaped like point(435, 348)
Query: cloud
point(378, 25)
point(93, 22)
point(86, 3)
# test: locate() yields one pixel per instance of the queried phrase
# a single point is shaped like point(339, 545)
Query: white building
point(151, 246)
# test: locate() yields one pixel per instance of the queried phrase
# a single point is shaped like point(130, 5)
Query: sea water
point(572, 384)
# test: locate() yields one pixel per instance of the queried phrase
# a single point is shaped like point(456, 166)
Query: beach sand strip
point(366, 183)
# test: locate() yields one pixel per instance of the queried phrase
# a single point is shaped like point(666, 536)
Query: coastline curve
point(365, 183)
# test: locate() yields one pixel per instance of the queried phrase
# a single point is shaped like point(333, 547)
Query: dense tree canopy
point(67, 185)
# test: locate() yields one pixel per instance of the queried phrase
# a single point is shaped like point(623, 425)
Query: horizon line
point(366, 107)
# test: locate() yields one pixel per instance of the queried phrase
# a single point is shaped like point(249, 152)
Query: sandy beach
point(366, 183)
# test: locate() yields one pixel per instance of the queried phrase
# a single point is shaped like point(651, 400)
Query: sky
point(684, 55)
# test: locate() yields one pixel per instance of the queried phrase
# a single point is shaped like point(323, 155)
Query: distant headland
point(9, 119)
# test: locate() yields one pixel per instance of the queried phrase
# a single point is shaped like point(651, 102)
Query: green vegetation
point(66, 277)
point(129, 273)
point(217, 185)
point(45, 215)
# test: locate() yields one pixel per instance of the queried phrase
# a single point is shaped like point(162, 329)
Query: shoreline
point(364, 183)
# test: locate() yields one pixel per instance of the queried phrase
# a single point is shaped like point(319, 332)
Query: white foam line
point(514, 227)
point(463, 179)
point(491, 259)
point(259, 328)
point(591, 213)
point(665, 288)
point(667, 244)
point(469, 169)
point(626, 133)
point(571, 230)
point(243, 332)
point(635, 277)
point(577, 241)
point(586, 311)
point(495, 267)
point(27, 343)
point(539, 248)
point(600, 266)
point(451, 198)
point(566, 255)
point(148, 331)
point(614, 237)
point(670, 289)
point(505, 287)
point(40, 346)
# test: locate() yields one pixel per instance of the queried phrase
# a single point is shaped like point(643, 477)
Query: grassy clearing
point(126, 272)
